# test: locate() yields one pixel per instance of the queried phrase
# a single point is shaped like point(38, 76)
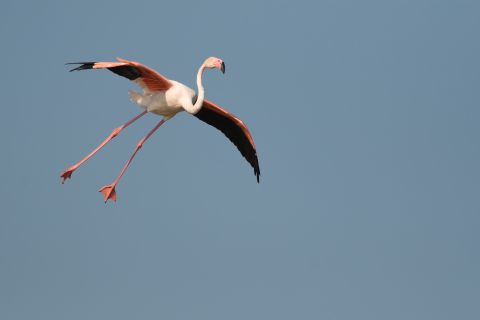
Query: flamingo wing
point(234, 129)
point(147, 78)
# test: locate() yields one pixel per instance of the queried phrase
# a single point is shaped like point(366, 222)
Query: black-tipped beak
point(222, 67)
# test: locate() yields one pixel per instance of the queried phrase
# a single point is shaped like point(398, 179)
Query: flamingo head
point(214, 62)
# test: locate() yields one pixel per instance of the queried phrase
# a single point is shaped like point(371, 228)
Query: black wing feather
point(233, 132)
point(129, 72)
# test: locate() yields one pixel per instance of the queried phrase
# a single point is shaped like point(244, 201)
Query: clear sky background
point(366, 119)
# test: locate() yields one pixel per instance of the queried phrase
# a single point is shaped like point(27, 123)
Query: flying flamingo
point(166, 98)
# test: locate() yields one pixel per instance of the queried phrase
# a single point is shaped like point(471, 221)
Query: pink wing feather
point(149, 79)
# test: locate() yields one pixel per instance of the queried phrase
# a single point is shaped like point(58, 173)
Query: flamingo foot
point(67, 174)
point(109, 192)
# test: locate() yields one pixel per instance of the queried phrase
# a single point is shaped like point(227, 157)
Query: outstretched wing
point(234, 129)
point(147, 78)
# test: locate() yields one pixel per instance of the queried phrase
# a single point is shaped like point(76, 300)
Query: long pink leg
point(109, 190)
point(68, 173)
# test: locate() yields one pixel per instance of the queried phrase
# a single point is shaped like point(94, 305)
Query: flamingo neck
point(200, 91)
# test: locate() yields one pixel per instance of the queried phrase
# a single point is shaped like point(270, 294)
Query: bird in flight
point(166, 98)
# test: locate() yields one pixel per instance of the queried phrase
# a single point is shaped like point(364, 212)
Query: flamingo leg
point(68, 172)
point(109, 190)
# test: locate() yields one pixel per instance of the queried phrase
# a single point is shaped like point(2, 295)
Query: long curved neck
point(200, 91)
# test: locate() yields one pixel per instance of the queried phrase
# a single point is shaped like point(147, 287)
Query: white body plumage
point(167, 103)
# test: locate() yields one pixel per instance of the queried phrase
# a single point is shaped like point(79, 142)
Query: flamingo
point(166, 98)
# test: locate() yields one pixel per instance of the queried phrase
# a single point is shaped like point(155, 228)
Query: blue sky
point(365, 116)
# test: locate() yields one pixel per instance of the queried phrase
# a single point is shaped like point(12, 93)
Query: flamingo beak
point(222, 67)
